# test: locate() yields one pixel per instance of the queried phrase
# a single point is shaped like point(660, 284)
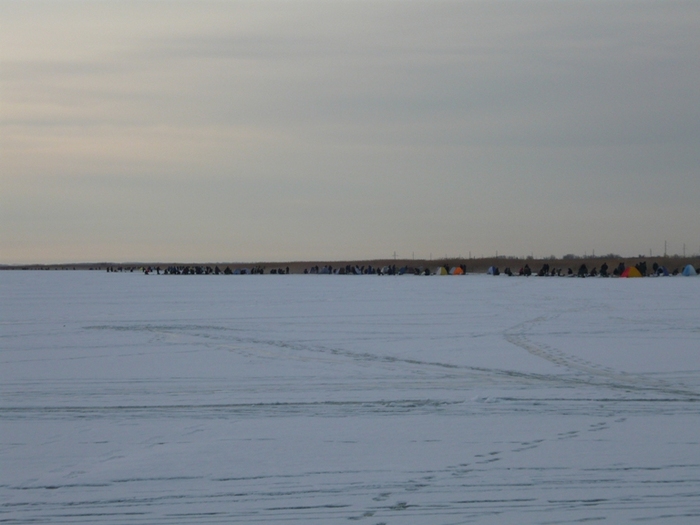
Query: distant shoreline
point(297, 267)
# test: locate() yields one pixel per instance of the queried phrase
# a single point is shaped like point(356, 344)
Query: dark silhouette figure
point(619, 270)
point(642, 267)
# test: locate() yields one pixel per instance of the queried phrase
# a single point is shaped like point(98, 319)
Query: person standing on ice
point(583, 271)
point(620, 269)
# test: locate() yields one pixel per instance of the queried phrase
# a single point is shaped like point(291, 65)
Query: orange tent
point(457, 271)
point(631, 272)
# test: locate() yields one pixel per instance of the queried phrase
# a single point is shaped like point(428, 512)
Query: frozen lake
point(342, 399)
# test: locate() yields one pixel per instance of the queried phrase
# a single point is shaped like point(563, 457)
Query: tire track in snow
point(517, 335)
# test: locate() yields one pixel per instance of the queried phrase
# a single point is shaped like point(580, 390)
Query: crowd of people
point(348, 269)
point(199, 270)
point(583, 271)
point(545, 271)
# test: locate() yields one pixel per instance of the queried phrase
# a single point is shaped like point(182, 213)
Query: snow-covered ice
point(335, 399)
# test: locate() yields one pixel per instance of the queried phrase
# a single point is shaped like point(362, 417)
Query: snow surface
point(333, 399)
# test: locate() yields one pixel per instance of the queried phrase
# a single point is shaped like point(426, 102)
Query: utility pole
point(684, 250)
point(664, 248)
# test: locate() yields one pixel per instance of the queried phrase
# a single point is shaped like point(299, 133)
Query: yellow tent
point(441, 271)
point(631, 272)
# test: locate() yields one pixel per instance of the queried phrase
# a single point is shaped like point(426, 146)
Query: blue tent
point(661, 271)
point(689, 271)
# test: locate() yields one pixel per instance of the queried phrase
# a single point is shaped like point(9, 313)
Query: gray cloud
point(521, 126)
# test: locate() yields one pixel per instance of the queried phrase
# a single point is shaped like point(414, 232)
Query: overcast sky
point(294, 130)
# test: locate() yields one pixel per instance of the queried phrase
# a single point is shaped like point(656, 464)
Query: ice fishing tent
point(492, 271)
point(689, 271)
point(456, 271)
point(631, 272)
point(662, 271)
point(440, 271)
